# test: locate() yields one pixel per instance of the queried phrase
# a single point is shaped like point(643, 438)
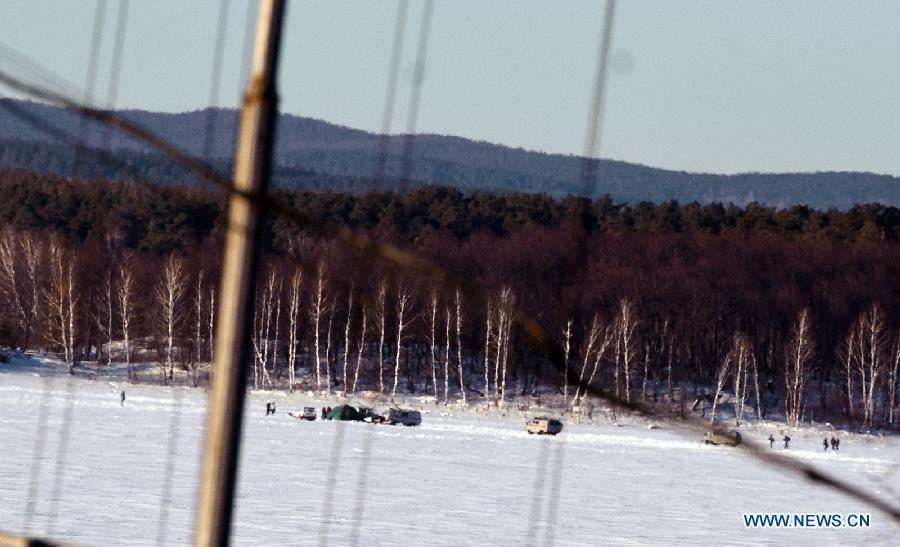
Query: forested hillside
point(347, 158)
point(798, 306)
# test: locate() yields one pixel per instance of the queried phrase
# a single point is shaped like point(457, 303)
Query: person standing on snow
point(122, 398)
point(787, 441)
point(771, 441)
point(825, 443)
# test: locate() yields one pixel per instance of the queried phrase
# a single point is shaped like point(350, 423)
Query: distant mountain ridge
point(313, 154)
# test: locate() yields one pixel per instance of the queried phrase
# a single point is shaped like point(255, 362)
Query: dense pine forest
point(791, 311)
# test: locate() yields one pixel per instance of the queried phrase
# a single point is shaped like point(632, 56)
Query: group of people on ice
point(834, 442)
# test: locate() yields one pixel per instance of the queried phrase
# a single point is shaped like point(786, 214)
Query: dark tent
point(345, 413)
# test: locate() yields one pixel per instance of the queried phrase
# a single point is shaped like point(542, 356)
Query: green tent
point(345, 413)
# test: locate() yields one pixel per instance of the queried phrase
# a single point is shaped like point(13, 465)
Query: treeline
point(161, 218)
point(791, 311)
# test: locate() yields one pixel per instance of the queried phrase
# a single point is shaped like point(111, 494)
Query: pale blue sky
point(714, 85)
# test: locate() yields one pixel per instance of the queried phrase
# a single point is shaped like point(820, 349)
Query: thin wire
point(362, 486)
point(246, 50)
point(215, 79)
point(390, 97)
point(62, 453)
point(559, 454)
point(537, 492)
point(412, 114)
point(90, 77)
point(115, 71)
point(37, 458)
point(165, 498)
point(330, 481)
point(588, 188)
point(590, 160)
point(532, 331)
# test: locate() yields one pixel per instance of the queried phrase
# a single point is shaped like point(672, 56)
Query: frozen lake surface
point(461, 478)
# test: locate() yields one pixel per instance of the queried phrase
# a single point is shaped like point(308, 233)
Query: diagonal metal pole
point(251, 175)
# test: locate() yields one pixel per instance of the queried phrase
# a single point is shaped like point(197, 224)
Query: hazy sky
point(717, 85)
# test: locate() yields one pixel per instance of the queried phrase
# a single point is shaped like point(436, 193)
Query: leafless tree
point(598, 342)
point(567, 348)
point(871, 332)
point(317, 309)
point(362, 345)
point(293, 312)
point(796, 369)
point(893, 370)
point(404, 303)
point(381, 322)
point(742, 358)
point(126, 311)
point(169, 296)
point(459, 362)
point(198, 325)
point(724, 371)
point(627, 322)
point(61, 301)
point(9, 285)
point(31, 251)
point(347, 338)
point(488, 329)
point(433, 307)
point(103, 316)
point(504, 325)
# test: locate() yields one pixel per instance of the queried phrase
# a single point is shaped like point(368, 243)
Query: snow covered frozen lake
point(459, 479)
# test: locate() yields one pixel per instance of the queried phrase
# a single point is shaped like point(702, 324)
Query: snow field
point(460, 479)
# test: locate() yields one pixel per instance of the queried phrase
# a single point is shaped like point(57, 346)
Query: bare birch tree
point(169, 296)
point(61, 301)
point(361, 347)
point(488, 329)
point(317, 308)
point(724, 371)
point(31, 251)
point(381, 321)
point(447, 346)
point(347, 338)
point(627, 322)
point(892, 379)
point(103, 316)
point(9, 282)
point(796, 369)
point(126, 311)
point(504, 324)
point(598, 342)
point(404, 301)
point(433, 307)
point(567, 347)
point(459, 354)
point(293, 312)
point(871, 336)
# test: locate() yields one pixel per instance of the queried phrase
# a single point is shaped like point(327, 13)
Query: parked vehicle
point(400, 416)
point(370, 416)
point(309, 413)
point(729, 438)
point(543, 426)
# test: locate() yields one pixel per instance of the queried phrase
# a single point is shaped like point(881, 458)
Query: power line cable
point(412, 114)
point(390, 97)
point(215, 80)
